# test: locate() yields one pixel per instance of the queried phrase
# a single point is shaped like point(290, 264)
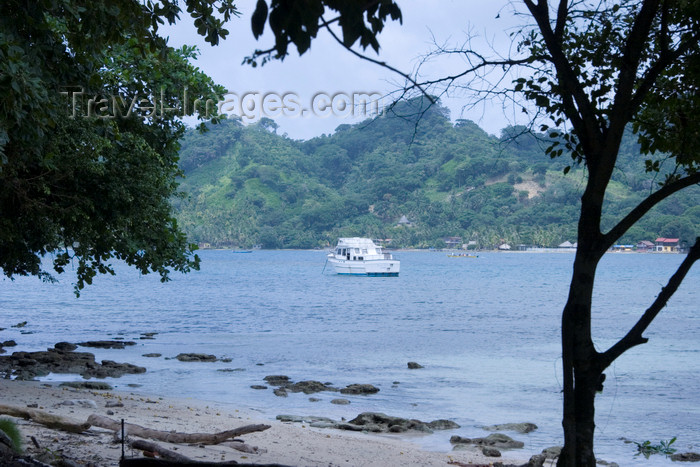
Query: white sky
point(329, 69)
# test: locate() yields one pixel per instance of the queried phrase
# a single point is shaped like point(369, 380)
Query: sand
point(283, 443)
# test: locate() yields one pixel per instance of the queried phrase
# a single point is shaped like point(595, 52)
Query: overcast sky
point(327, 70)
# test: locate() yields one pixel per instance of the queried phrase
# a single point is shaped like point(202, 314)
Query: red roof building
point(667, 245)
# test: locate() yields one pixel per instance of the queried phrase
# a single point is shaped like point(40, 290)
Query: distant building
point(404, 222)
point(645, 246)
point(453, 242)
point(667, 245)
point(504, 247)
point(567, 244)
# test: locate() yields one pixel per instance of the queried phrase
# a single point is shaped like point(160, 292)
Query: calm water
point(486, 330)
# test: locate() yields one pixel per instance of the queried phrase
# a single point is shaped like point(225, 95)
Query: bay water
point(486, 331)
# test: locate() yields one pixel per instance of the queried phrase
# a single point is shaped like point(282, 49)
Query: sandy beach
point(283, 443)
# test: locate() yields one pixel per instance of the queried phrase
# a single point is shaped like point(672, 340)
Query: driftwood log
point(151, 462)
point(243, 447)
point(49, 420)
point(158, 451)
point(166, 457)
point(171, 436)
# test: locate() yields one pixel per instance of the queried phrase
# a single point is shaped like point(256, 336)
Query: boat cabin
point(358, 249)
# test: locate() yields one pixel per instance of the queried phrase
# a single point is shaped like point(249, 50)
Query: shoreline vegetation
point(276, 442)
point(446, 250)
point(417, 183)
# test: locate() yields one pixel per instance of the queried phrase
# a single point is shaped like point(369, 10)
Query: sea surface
point(485, 329)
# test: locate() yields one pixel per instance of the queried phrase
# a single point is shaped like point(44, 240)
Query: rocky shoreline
point(30, 365)
point(284, 443)
point(64, 358)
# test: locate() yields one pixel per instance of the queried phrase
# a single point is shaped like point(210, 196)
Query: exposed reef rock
point(29, 365)
point(91, 385)
point(373, 422)
point(285, 385)
point(519, 427)
point(686, 457)
point(359, 389)
point(277, 380)
point(309, 387)
point(65, 346)
point(382, 423)
point(115, 344)
point(496, 440)
point(196, 357)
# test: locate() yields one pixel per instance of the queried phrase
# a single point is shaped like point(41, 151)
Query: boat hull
point(373, 268)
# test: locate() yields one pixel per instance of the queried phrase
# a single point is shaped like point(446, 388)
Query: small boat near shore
point(361, 257)
point(461, 255)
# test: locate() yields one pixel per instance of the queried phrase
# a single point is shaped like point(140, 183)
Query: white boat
point(360, 256)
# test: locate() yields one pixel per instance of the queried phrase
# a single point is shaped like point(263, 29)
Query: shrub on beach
point(9, 427)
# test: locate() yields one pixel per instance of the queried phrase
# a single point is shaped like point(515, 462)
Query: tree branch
point(653, 72)
point(634, 336)
point(635, 45)
point(378, 62)
point(562, 15)
point(579, 108)
point(642, 208)
point(259, 53)
point(475, 68)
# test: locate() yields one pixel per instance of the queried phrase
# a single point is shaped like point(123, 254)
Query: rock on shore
point(519, 427)
point(114, 344)
point(496, 440)
point(29, 365)
point(373, 422)
point(284, 385)
point(196, 357)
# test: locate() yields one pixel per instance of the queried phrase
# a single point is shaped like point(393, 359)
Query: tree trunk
point(585, 419)
point(579, 412)
point(581, 368)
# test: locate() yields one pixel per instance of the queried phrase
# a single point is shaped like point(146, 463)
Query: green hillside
point(246, 185)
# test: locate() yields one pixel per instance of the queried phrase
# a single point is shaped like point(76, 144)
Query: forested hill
point(246, 185)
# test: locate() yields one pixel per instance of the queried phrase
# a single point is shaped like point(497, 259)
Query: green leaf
point(259, 18)
point(542, 101)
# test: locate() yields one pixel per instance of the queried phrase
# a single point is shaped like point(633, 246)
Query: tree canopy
point(91, 101)
point(298, 23)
